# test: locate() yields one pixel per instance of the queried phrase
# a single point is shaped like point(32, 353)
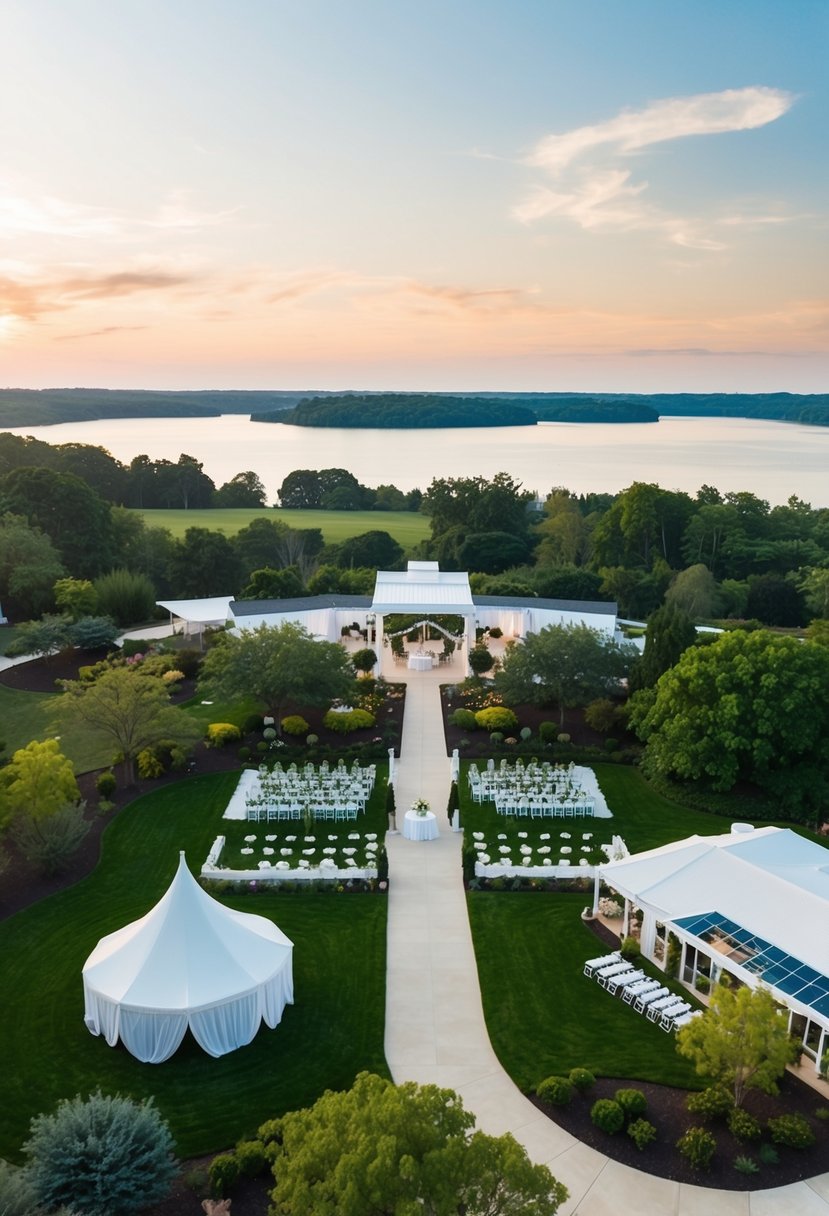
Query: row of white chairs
point(320, 811)
point(648, 996)
point(539, 808)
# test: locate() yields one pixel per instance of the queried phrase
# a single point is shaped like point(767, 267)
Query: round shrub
point(611, 745)
point(629, 948)
point(149, 765)
point(312, 740)
point(743, 1125)
point(556, 1090)
point(480, 660)
point(642, 1133)
point(269, 734)
point(525, 733)
point(547, 732)
point(496, 632)
point(698, 1145)
point(100, 1155)
point(345, 723)
point(582, 1079)
point(243, 754)
point(250, 1157)
point(294, 724)
point(563, 737)
point(496, 717)
point(172, 676)
point(711, 1103)
point(223, 1175)
point(607, 1115)
point(793, 1131)
point(497, 736)
point(464, 719)
point(252, 724)
point(632, 1102)
point(106, 784)
point(219, 734)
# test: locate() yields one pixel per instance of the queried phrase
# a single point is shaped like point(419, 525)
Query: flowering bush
point(174, 676)
point(219, 734)
point(610, 908)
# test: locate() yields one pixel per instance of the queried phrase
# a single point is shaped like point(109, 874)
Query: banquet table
point(420, 827)
point(420, 662)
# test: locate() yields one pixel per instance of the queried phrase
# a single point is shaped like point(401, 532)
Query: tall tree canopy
point(669, 634)
point(277, 664)
point(29, 567)
point(381, 1149)
point(568, 665)
point(751, 707)
point(130, 710)
point(75, 518)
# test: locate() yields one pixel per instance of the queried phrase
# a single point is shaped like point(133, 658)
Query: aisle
point(435, 1029)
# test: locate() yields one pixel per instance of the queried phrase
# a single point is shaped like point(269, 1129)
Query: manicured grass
point(235, 712)
point(543, 1015)
point(28, 715)
point(407, 527)
point(334, 1029)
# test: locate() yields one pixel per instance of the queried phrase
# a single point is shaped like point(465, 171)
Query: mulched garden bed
point(668, 1112)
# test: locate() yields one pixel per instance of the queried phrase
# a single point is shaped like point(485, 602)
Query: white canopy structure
point(190, 962)
point(198, 615)
point(750, 902)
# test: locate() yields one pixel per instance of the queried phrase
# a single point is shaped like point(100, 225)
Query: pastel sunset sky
point(414, 194)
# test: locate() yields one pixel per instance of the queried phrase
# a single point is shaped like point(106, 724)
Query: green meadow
point(407, 527)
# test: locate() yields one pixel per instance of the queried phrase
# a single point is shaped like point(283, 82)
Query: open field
point(407, 527)
point(334, 1029)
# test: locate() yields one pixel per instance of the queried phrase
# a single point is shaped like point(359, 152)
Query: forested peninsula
point(402, 411)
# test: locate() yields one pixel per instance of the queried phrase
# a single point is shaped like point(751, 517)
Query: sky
point(415, 194)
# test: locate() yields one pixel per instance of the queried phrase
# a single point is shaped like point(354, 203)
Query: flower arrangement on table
point(420, 806)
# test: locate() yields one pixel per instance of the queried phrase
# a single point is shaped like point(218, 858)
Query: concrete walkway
point(435, 1029)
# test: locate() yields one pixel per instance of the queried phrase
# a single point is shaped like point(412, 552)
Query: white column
point(626, 919)
point(455, 765)
point(391, 766)
point(597, 884)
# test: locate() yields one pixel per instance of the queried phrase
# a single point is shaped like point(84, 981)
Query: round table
point(420, 827)
point(420, 662)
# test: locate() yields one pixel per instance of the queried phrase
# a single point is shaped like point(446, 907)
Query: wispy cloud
point(602, 195)
point(30, 299)
point(670, 118)
point(26, 213)
point(106, 331)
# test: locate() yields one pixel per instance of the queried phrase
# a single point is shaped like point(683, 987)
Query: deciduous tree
point(741, 1041)
point(752, 707)
point(277, 665)
point(129, 709)
point(570, 665)
point(382, 1148)
point(37, 781)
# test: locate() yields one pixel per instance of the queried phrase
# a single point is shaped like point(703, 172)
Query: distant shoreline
point(401, 411)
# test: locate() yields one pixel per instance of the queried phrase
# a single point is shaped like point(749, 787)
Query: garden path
point(435, 1028)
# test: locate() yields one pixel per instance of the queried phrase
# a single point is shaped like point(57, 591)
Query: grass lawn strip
point(28, 715)
point(543, 1015)
point(407, 527)
point(334, 1029)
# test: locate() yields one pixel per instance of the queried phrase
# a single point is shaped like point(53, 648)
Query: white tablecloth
point(420, 827)
point(420, 662)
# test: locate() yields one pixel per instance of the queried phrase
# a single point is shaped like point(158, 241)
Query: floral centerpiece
point(420, 806)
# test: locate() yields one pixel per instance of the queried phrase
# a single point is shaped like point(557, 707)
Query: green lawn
point(407, 527)
point(542, 1014)
point(28, 715)
point(334, 1029)
point(7, 636)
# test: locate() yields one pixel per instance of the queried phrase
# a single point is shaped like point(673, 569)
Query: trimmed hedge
point(346, 723)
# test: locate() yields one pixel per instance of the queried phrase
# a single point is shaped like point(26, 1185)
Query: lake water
point(771, 459)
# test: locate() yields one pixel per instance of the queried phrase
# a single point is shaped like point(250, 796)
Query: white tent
point(190, 962)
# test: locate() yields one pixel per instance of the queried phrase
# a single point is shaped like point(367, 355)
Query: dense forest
point(42, 407)
point(718, 556)
point(401, 411)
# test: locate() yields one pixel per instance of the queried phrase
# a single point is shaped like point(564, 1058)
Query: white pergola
point(423, 589)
